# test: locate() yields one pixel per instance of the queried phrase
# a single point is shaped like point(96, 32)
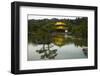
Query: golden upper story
point(60, 23)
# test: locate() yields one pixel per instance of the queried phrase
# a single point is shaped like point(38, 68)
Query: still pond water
point(56, 46)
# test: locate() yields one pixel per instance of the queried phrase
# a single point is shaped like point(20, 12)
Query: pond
point(56, 46)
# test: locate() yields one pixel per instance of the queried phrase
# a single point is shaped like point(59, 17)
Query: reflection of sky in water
point(68, 51)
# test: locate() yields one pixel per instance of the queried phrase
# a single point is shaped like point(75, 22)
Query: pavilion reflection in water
point(58, 39)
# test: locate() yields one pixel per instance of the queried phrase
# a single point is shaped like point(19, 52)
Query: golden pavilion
point(60, 26)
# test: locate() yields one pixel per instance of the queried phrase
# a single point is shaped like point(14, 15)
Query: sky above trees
point(36, 17)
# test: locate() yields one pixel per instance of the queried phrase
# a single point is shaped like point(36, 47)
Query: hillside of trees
point(77, 27)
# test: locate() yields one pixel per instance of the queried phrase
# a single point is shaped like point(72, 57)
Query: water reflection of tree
point(46, 52)
point(61, 40)
point(44, 38)
point(80, 42)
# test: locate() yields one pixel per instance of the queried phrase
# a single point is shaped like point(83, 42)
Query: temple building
point(60, 26)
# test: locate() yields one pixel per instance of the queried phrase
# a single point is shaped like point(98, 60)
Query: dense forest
point(76, 27)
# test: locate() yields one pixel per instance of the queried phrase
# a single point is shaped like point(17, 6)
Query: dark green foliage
point(77, 27)
point(80, 30)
